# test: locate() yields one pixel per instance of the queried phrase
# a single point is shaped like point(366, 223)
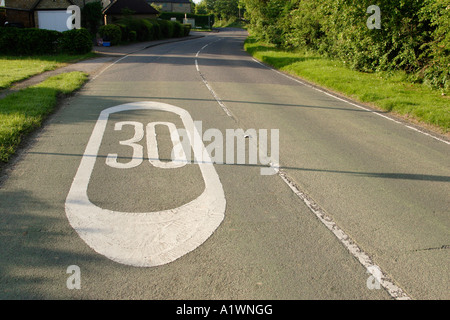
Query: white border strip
point(109, 66)
point(351, 103)
point(393, 290)
point(214, 94)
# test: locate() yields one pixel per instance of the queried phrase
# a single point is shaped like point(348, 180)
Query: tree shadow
point(37, 246)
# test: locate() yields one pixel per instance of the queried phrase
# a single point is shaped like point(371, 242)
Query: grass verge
point(23, 111)
point(14, 69)
point(386, 91)
point(231, 23)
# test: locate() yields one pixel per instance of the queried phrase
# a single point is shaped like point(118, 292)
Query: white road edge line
point(396, 292)
point(393, 290)
point(109, 66)
point(205, 82)
point(351, 103)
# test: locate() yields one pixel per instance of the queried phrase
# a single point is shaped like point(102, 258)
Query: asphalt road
point(355, 191)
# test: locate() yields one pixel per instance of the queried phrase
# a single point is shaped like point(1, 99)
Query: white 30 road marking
point(151, 238)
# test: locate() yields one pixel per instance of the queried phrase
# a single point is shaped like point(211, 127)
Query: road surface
point(355, 205)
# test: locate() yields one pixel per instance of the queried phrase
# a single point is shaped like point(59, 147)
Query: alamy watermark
point(229, 149)
point(74, 280)
point(234, 145)
point(74, 21)
point(374, 21)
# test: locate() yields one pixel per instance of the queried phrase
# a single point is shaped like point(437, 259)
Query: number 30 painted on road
point(144, 239)
point(152, 146)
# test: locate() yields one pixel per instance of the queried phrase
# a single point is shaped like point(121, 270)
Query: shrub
point(32, 41)
point(157, 33)
point(111, 32)
point(28, 41)
point(187, 29)
point(436, 72)
point(125, 32)
point(167, 28)
point(76, 41)
point(142, 27)
point(39, 41)
point(178, 31)
point(8, 39)
point(413, 37)
point(91, 16)
point(132, 36)
point(147, 30)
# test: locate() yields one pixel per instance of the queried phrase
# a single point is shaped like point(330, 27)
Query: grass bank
point(231, 23)
point(14, 69)
point(23, 111)
point(385, 91)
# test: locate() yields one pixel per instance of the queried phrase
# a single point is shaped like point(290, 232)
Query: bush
point(436, 72)
point(8, 39)
point(147, 32)
point(157, 33)
point(186, 29)
point(132, 36)
point(143, 28)
point(111, 32)
point(167, 28)
point(125, 32)
point(91, 16)
point(28, 41)
point(76, 41)
point(32, 41)
point(178, 30)
point(413, 37)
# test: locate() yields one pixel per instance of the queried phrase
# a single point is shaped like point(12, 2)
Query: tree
point(91, 16)
point(413, 36)
point(201, 7)
point(223, 9)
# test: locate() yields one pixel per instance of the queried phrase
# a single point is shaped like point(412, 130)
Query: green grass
point(386, 91)
point(23, 111)
point(14, 69)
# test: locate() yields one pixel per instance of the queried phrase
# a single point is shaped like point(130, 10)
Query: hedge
point(187, 29)
point(157, 32)
point(111, 32)
point(75, 41)
point(413, 37)
point(28, 41)
point(167, 28)
point(32, 41)
point(136, 29)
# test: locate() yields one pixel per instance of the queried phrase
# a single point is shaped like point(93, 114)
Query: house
point(183, 6)
point(43, 14)
point(139, 9)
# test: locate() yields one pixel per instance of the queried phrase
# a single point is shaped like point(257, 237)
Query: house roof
point(37, 2)
point(138, 6)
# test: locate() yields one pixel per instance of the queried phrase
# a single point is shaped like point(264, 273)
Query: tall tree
point(224, 9)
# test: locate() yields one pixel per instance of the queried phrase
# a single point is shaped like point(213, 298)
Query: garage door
point(53, 20)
